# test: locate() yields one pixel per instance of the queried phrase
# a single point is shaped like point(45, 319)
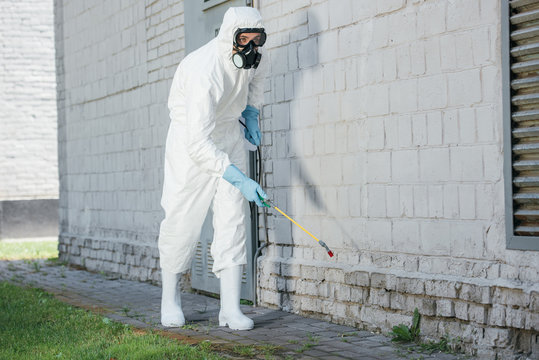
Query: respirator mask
point(246, 42)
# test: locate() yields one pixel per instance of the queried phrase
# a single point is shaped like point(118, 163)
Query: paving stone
point(379, 338)
point(304, 328)
point(349, 354)
point(328, 334)
point(316, 353)
point(342, 345)
point(291, 339)
point(322, 324)
point(369, 344)
point(339, 328)
point(334, 357)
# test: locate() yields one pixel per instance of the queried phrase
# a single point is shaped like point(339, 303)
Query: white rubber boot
point(171, 301)
point(230, 313)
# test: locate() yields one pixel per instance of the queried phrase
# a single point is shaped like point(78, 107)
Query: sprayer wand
point(270, 204)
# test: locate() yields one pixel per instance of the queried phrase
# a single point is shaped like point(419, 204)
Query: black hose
point(259, 179)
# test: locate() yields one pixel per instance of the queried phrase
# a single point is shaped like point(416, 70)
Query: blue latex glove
point(248, 187)
point(252, 131)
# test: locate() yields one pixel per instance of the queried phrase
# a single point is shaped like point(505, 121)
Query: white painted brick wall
point(118, 59)
point(416, 86)
point(28, 141)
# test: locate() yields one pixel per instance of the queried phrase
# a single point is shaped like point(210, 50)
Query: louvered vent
point(209, 272)
point(525, 115)
point(198, 266)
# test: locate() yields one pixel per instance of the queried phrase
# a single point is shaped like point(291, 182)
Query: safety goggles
point(243, 36)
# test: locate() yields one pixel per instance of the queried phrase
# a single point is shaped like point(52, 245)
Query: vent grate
point(524, 20)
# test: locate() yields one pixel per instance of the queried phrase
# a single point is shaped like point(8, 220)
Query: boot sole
point(172, 324)
point(235, 328)
point(223, 322)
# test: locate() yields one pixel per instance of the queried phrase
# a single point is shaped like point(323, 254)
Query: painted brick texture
point(28, 141)
point(393, 130)
point(115, 61)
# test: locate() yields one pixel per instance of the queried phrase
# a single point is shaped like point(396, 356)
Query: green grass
point(404, 334)
point(250, 351)
point(446, 344)
point(34, 325)
point(244, 350)
point(313, 341)
point(28, 250)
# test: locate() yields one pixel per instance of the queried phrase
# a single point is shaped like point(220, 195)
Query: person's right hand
point(248, 187)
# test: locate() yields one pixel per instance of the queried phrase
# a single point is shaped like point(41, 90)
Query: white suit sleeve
point(256, 86)
point(200, 115)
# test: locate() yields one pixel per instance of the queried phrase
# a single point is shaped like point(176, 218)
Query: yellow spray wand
point(267, 203)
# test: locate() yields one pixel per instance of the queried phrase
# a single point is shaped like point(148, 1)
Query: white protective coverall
point(207, 96)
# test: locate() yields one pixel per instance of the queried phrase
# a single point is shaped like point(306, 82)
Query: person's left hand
point(252, 131)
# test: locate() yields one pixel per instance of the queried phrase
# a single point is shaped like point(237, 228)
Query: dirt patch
point(223, 347)
point(72, 299)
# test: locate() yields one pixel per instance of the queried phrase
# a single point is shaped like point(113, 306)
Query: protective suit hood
point(235, 18)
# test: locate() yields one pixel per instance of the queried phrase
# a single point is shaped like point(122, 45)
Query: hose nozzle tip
point(330, 253)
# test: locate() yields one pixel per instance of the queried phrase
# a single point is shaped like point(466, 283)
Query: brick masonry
point(382, 135)
point(491, 316)
point(115, 62)
point(28, 141)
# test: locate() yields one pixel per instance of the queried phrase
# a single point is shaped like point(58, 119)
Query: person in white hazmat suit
point(205, 161)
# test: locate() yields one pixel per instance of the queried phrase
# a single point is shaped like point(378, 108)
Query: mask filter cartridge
point(247, 57)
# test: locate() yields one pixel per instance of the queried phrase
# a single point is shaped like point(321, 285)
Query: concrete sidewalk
point(289, 336)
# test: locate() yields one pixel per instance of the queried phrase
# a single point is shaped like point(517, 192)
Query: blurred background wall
point(28, 140)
